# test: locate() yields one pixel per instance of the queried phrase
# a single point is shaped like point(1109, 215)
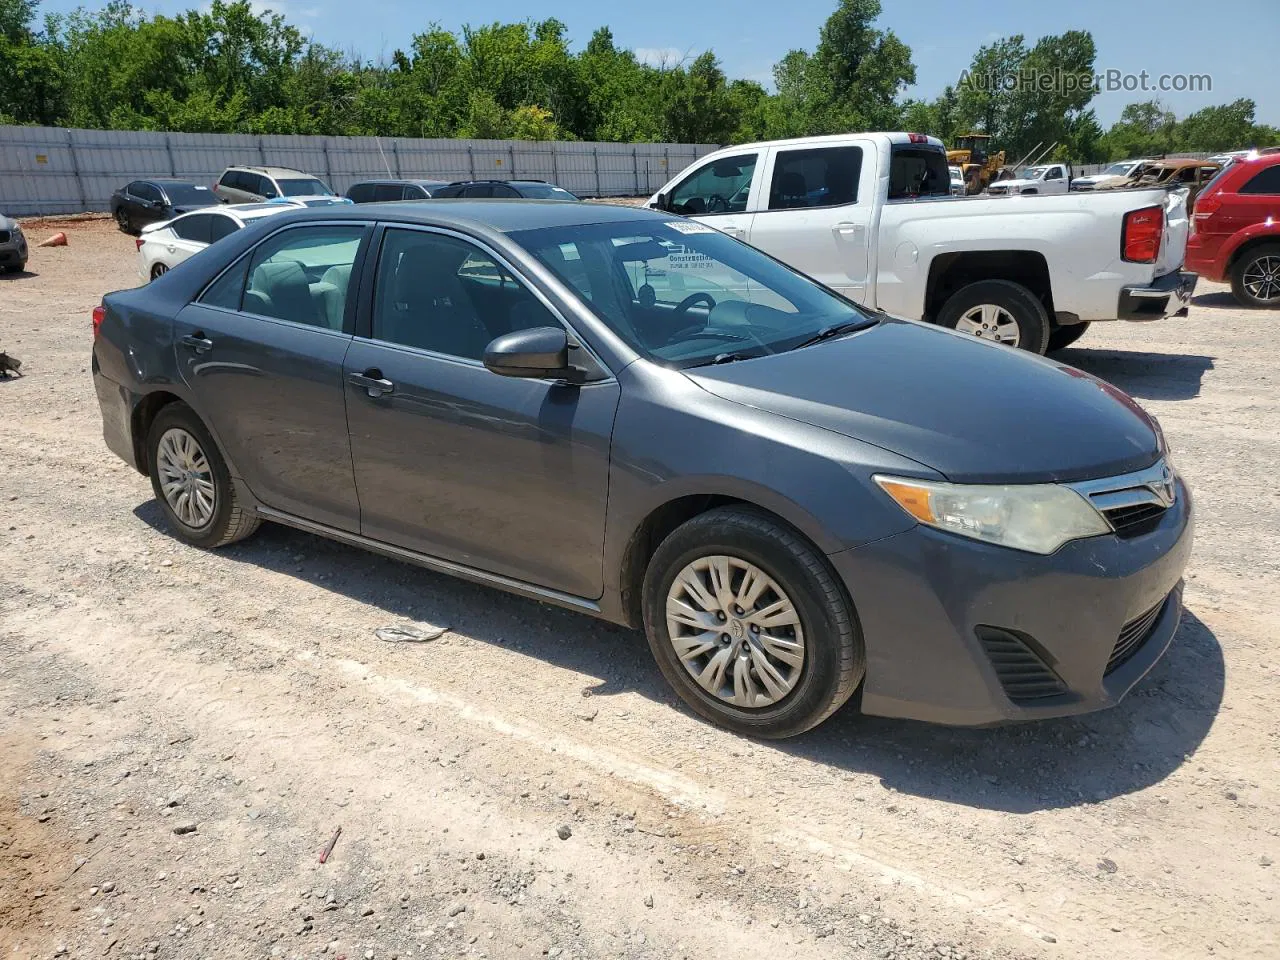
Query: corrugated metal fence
point(50, 170)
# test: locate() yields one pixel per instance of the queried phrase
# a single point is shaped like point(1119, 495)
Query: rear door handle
point(373, 382)
point(197, 342)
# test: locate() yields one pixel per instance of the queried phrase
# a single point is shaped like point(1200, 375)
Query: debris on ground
point(410, 634)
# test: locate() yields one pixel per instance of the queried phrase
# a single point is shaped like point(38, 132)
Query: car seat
point(281, 291)
point(429, 306)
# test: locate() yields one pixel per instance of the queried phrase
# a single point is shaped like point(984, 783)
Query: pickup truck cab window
point(822, 177)
point(918, 172)
point(720, 187)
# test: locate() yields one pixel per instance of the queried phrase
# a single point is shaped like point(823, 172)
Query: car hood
point(974, 411)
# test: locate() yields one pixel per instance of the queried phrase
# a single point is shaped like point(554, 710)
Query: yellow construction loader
point(977, 165)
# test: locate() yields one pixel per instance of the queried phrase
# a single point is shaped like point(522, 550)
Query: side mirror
point(662, 202)
point(536, 353)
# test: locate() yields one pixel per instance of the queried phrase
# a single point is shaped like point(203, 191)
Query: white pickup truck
point(870, 215)
point(1046, 178)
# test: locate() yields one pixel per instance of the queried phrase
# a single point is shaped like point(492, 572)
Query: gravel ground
point(184, 732)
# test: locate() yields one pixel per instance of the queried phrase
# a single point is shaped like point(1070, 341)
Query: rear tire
point(192, 483)
point(806, 681)
point(998, 304)
point(1255, 277)
point(158, 270)
point(1063, 337)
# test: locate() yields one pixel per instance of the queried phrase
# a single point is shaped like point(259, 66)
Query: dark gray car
point(638, 417)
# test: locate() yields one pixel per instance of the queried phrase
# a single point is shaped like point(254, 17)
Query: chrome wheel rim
point(186, 479)
point(158, 269)
point(736, 631)
point(1261, 279)
point(990, 322)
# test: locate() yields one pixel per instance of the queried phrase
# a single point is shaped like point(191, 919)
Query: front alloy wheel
point(735, 631)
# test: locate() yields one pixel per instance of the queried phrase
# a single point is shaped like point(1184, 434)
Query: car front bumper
point(937, 612)
point(1169, 295)
point(14, 252)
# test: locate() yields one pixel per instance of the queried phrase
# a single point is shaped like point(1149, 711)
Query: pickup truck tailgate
point(1177, 224)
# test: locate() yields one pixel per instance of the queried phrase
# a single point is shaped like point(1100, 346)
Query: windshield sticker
point(685, 226)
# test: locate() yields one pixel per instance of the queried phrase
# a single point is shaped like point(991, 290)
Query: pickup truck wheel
point(1255, 278)
point(750, 624)
point(192, 483)
point(998, 310)
point(1062, 337)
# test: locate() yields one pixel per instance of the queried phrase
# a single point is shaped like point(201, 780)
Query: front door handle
point(197, 342)
point(733, 231)
point(373, 382)
point(846, 229)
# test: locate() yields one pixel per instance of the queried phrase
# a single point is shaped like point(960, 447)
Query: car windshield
point(545, 191)
point(955, 173)
point(303, 187)
point(187, 193)
point(1118, 169)
point(684, 294)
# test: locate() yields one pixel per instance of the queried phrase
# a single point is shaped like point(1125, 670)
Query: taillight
point(99, 314)
point(1207, 205)
point(1140, 238)
point(139, 241)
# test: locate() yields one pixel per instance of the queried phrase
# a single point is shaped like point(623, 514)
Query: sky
point(1235, 43)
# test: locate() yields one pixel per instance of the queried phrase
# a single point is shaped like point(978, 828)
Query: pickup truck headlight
point(1038, 518)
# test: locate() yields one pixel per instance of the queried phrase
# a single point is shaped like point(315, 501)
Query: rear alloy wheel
point(1255, 277)
point(1062, 337)
point(159, 270)
point(1000, 311)
point(122, 220)
point(192, 483)
point(750, 625)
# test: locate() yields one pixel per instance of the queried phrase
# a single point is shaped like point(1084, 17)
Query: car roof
point(270, 171)
point(504, 216)
point(164, 181)
point(399, 180)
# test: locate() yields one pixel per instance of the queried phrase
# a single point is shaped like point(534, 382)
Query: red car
point(1235, 232)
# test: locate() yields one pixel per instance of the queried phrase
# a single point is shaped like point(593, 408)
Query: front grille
point(1022, 672)
point(4, 236)
point(1134, 520)
point(1133, 635)
point(1135, 503)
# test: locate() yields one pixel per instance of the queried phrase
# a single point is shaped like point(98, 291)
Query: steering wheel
point(683, 307)
point(717, 204)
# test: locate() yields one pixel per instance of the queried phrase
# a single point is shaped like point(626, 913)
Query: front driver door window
point(723, 186)
point(505, 475)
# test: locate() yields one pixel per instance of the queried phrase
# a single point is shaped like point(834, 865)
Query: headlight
point(1038, 518)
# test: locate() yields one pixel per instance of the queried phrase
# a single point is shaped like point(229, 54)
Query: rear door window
point(824, 177)
point(918, 172)
point(360, 193)
point(195, 227)
point(723, 186)
point(1264, 181)
point(478, 191)
point(505, 192)
point(303, 275)
point(384, 192)
point(221, 226)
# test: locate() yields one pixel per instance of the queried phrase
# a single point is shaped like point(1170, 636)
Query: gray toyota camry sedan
point(638, 417)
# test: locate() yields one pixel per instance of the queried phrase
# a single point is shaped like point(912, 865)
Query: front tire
point(750, 625)
point(998, 310)
point(1062, 337)
point(1255, 277)
point(123, 221)
point(192, 483)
